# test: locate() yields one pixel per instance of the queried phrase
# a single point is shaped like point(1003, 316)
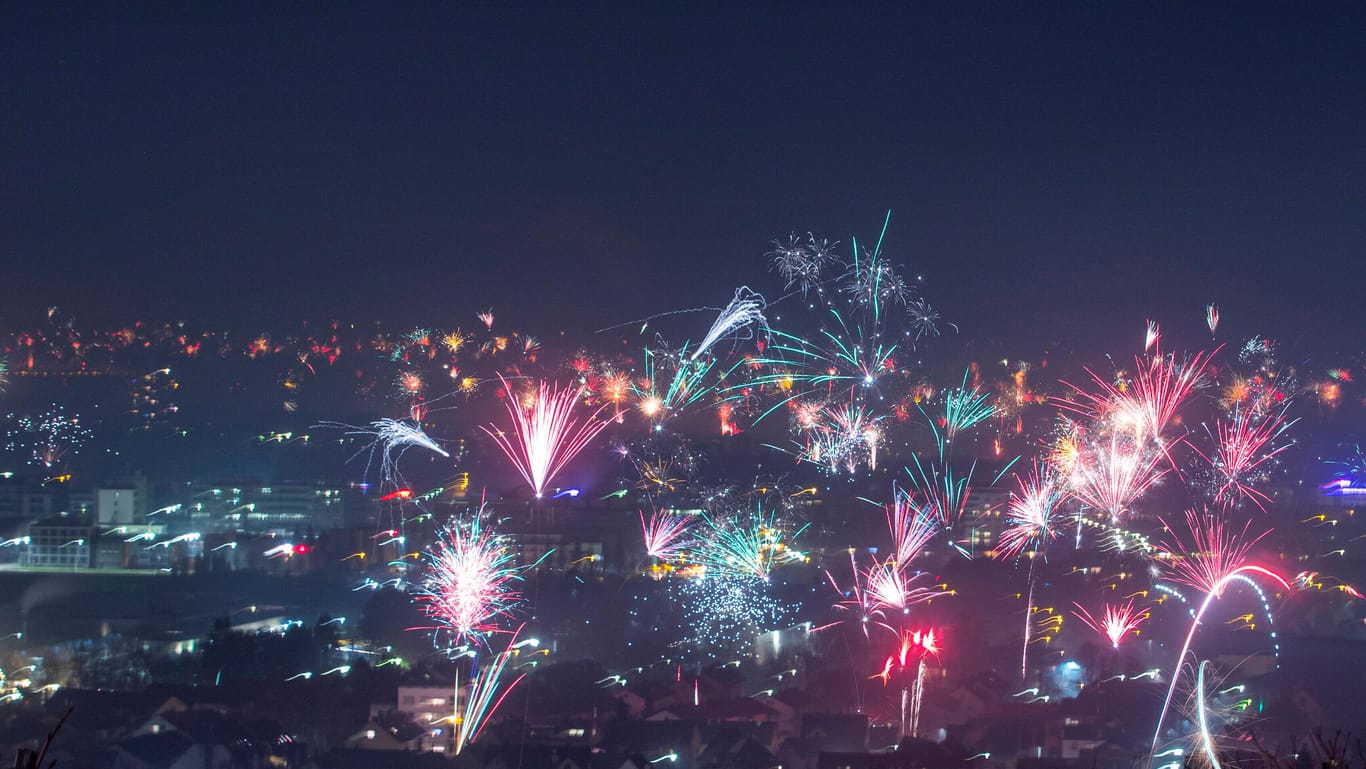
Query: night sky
point(1061, 172)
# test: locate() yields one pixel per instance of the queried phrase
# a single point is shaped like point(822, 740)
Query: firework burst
point(1115, 623)
point(471, 580)
point(664, 534)
point(545, 433)
point(48, 439)
point(1032, 515)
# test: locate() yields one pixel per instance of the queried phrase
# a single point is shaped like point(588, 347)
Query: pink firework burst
point(1216, 551)
point(1117, 621)
point(911, 526)
point(663, 534)
point(1110, 474)
point(1244, 444)
point(1032, 513)
point(545, 432)
point(1146, 405)
point(471, 580)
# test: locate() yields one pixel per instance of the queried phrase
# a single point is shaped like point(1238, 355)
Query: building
point(122, 502)
point(286, 508)
point(64, 543)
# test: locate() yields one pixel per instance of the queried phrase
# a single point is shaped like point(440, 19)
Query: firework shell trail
point(390, 439)
point(486, 692)
point(745, 311)
point(1216, 557)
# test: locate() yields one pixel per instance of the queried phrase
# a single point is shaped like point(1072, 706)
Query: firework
point(914, 648)
point(801, 263)
point(945, 492)
point(964, 407)
point(722, 615)
point(486, 691)
point(1032, 514)
point(1216, 558)
point(664, 532)
point(545, 433)
point(911, 526)
point(391, 439)
point(676, 384)
point(49, 439)
point(1244, 445)
point(1111, 473)
point(471, 580)
point(744, 311)
point(1215, 552)
point(1152, 336)
point(1115, 623)
point(1212, 318)
point(745, 545)
point(890, 586)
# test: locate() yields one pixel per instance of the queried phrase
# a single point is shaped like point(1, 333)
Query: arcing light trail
point(1217, 559)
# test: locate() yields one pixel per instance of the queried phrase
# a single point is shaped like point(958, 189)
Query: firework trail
point(1202, 718)
point(1244, 444)
point(1031, 523)
point(915, 647)
point(391, 438)
point(471, 580)
point(745, 310)
point(1212, 318)
point(1115, 623)
point(545, 433)
point(1152, 337)
point(1216, 558)
point(663, 534)
point(486, 691)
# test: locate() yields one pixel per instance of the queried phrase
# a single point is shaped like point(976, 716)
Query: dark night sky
point(1056, 171)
